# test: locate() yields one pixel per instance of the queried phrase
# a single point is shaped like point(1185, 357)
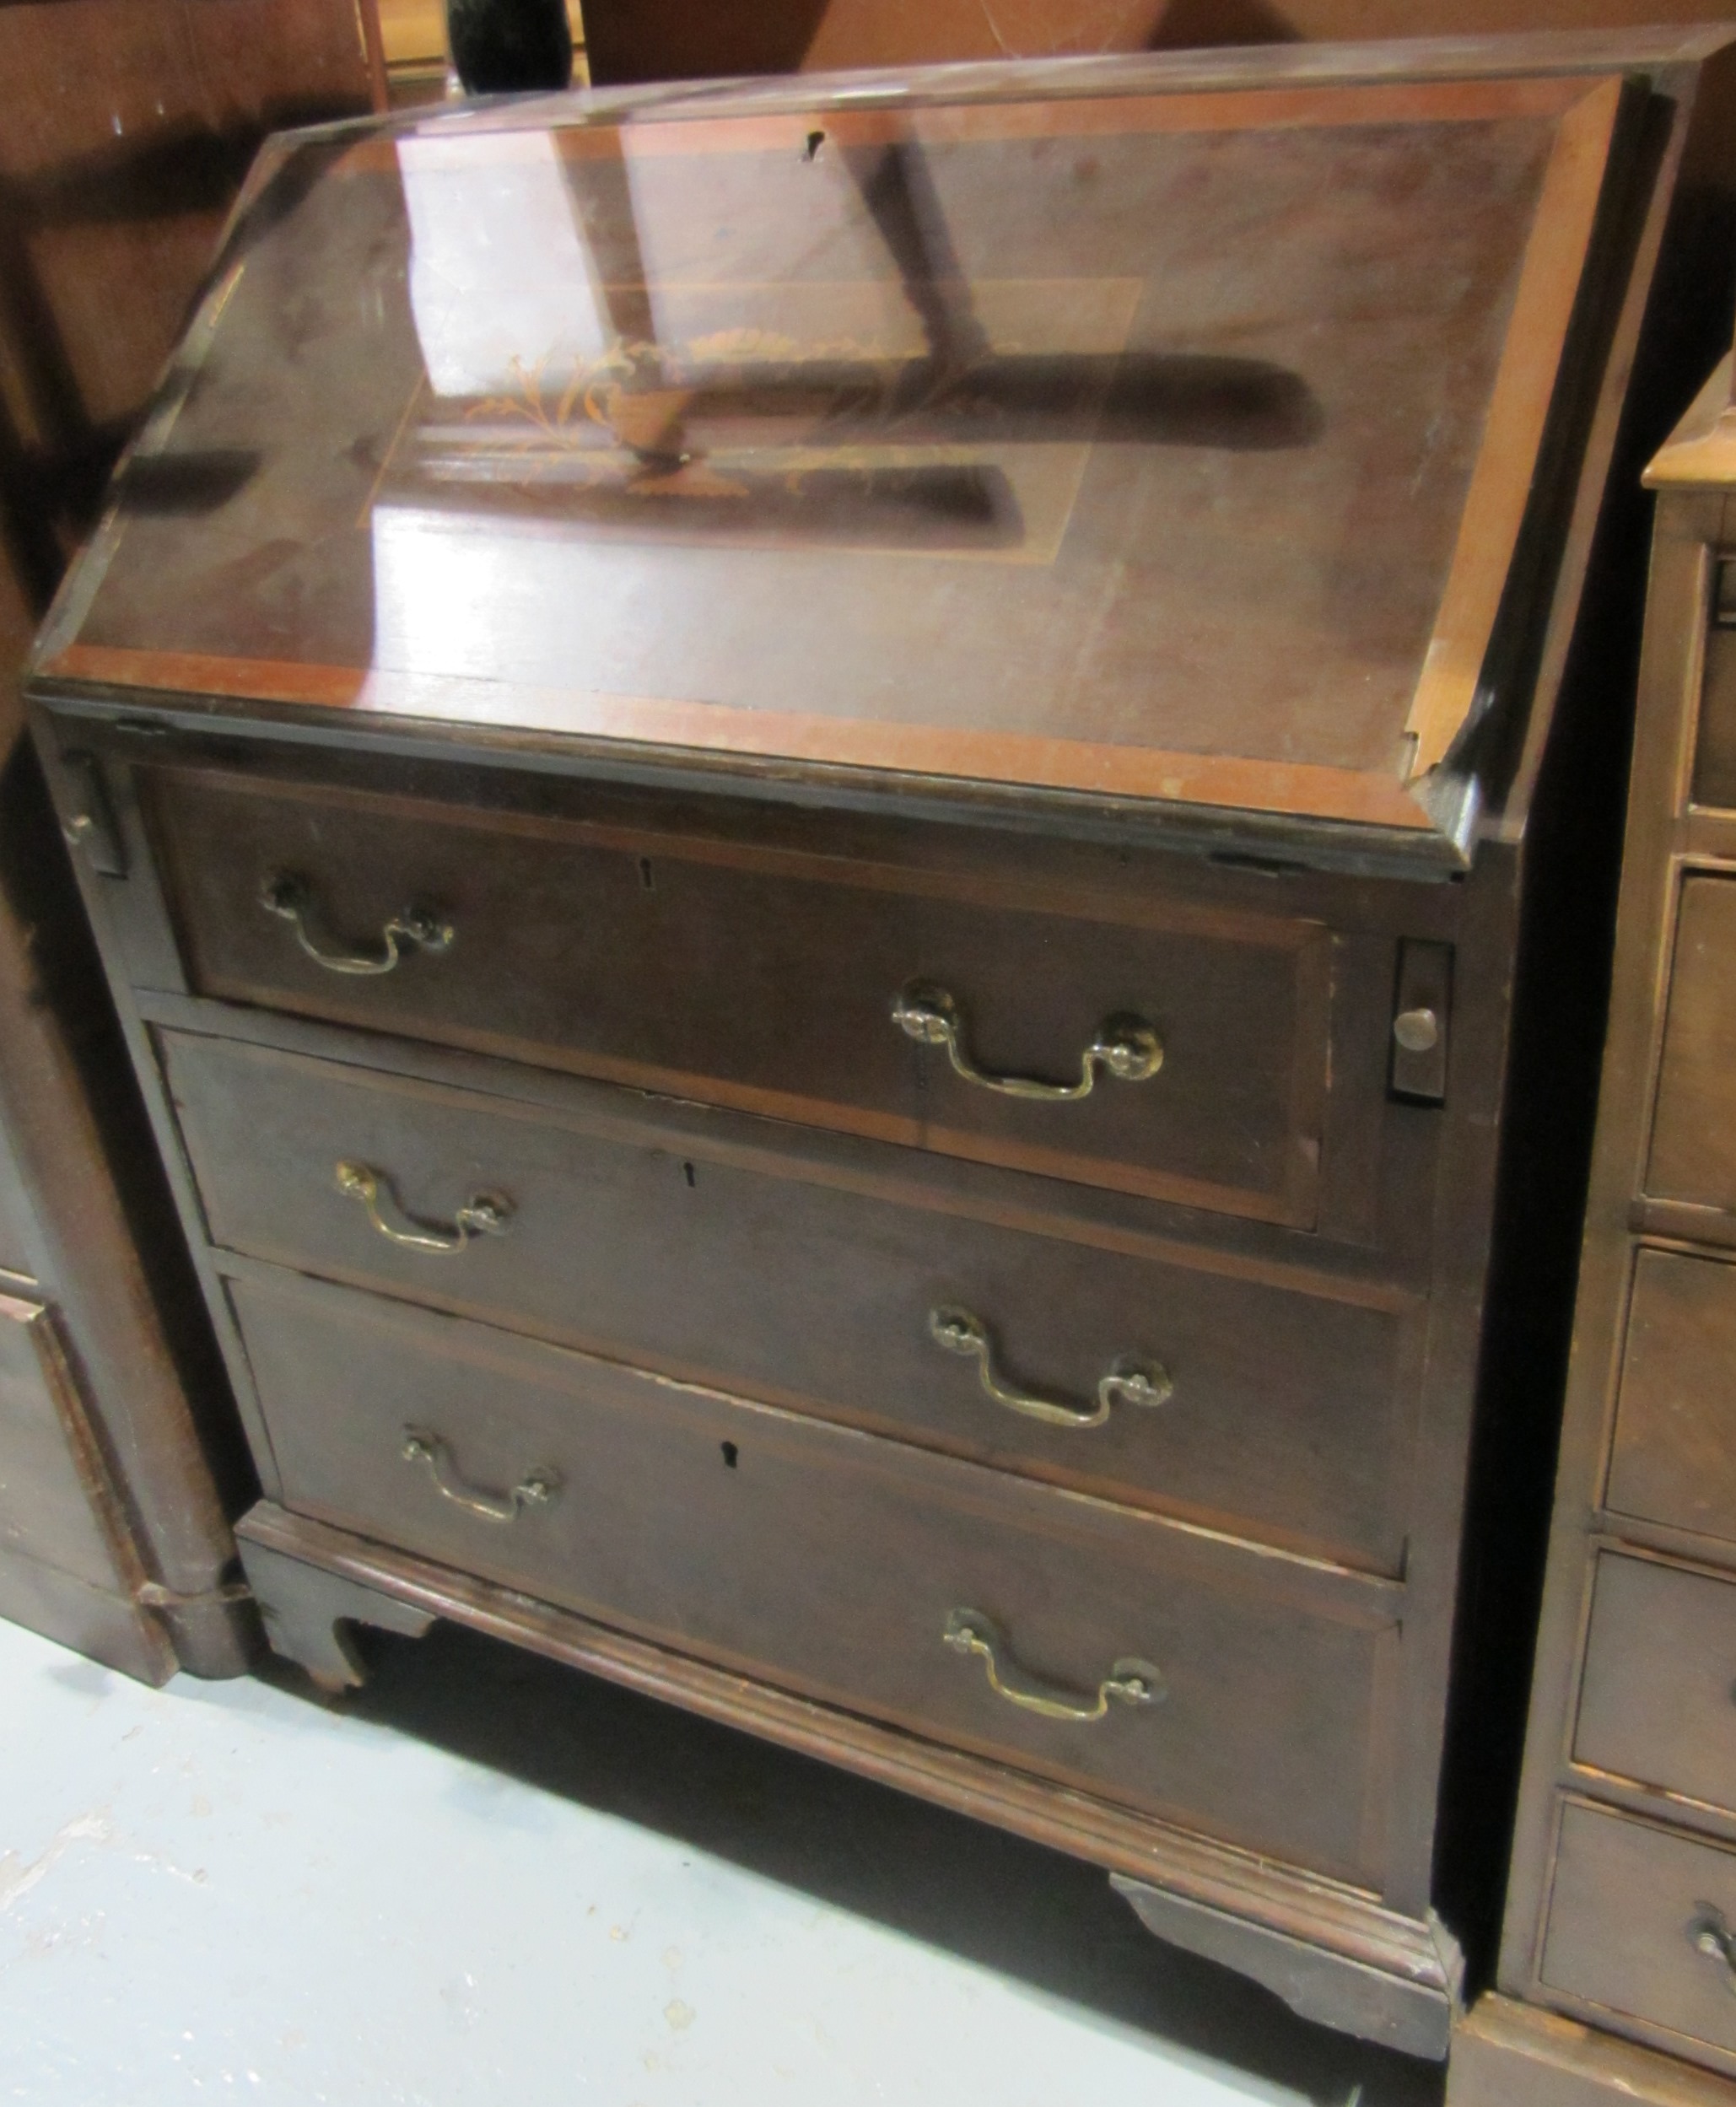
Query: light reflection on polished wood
point(572, 486)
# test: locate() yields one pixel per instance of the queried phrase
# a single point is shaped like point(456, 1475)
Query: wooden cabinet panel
point(1630, 1903)
point(53, 1496)
point(1693, 1157)
point(1674, 1460)
point(1658, 1702)
point(768, 980)
point(831, 1562)
point(1274, 1412)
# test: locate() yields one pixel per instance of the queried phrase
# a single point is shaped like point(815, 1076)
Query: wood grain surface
point(912, 452)
point(1671, 1460)
point(1628, 1895)
point(829, 1562)
point(1292, 1416)
point(730, 973)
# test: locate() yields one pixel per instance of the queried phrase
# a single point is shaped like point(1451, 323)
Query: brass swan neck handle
point(1125, 1047)
point(485, 1215)
point(536, 1489)
point(291, 899)
point(1128, 1682)
point(1129, 1381)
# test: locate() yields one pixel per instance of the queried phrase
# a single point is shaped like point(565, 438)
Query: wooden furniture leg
point(1402, 2012)
point(306, 1613)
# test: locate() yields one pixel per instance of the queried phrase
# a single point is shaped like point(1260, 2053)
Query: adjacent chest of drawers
point(809, 813)
point(113, 1534)
point(1622, 1909)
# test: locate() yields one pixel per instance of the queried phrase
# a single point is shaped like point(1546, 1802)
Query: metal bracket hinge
point(90, 823)
point(1422, 1015)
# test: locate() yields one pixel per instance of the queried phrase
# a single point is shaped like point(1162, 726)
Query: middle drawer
point(1232, 1400)
point(1660, 1670)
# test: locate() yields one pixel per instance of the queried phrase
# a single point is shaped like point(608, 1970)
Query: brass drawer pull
point(1126, 1047)
point(487, 1214)
point(535, 1490)
point(1711, 1936)
point(290, 899)
point(1129, 1382)
point(1129, 1682)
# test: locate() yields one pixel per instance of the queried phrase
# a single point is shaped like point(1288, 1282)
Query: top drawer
point(768, 980)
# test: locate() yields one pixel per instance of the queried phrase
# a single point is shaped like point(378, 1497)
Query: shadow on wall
point(671, 39)
point(960, 1885)
point(1190, 24)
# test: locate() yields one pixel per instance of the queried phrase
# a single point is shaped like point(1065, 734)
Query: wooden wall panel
point(129, 126)
point(672, 40)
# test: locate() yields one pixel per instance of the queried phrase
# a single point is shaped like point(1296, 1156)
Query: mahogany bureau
point(809, 802)
point(1621, 1915)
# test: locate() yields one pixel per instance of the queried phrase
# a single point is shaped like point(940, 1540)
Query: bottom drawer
point(1642, 1921)
point(1245, 1694)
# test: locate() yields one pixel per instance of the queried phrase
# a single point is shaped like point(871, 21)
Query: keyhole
point(816, 141)
point(730, 1454)
point(644, 875)
point(687, 1171)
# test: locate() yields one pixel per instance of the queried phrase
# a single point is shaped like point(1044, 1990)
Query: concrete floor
point(486, 1882)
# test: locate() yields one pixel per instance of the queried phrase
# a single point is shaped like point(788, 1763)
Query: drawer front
point(1272, 1412)
point(831, 1562)
point(1675, 1459)
point(1715, 751)
point(1659, 1701)
point(1642, 1921)
point(768, 981)
point(1693, 1154)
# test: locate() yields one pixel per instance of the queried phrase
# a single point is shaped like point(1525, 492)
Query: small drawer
point(1693, 1152)
point(1201, 1682)
point(1642, 1923)
point(865, 997)
point(1234, 1401)
point(1674, 1460)
point(1715, 750)
point(1658, 1700)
